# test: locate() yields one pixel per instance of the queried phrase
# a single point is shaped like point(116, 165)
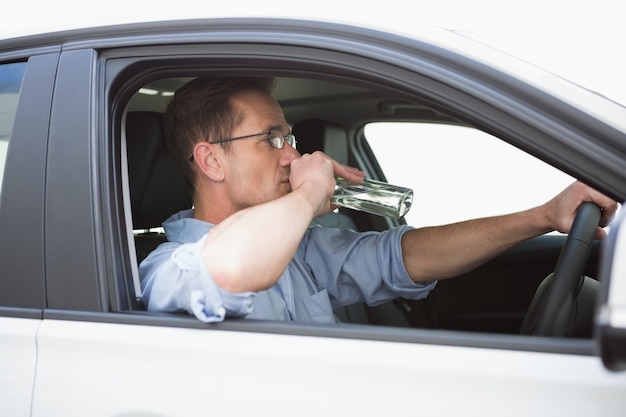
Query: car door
point(100, 353)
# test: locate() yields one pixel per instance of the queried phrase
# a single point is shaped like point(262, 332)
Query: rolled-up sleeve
point(174, 278)
point(361, 267)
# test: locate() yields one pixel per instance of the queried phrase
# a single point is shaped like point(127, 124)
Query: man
point(246, 249)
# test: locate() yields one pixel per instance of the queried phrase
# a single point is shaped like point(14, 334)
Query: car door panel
point(18, 356)
point(225, 372)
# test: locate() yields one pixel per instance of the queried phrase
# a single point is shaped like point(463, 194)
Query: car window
point(458, 173)
point(10, 81)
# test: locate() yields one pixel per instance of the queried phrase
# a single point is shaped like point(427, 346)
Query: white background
point(580, 40)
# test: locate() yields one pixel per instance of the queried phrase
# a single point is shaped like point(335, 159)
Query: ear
point(206, 157)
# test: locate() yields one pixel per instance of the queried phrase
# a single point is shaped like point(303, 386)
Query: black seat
point(321, 135)
point(157, 188)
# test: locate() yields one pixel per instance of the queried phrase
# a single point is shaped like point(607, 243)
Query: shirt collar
point(183, 228)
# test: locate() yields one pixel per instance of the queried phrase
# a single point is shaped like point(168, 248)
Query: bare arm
point(250, 249)
point(446, 251)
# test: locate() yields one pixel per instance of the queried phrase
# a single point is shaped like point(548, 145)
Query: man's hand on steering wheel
point(562, 209)
point(582, 213)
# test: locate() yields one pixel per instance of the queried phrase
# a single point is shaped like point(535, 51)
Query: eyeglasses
point(275, 138)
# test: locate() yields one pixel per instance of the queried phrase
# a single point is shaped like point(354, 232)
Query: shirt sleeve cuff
point(206, 301)
point(404, 286)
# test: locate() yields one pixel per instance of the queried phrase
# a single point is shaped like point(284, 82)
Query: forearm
point(447, 251)
point(250, 250)
point(441, 252)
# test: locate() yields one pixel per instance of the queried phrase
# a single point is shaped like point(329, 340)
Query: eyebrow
point(280, 127)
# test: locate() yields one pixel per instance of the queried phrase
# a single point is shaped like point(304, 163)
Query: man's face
point(255, 172)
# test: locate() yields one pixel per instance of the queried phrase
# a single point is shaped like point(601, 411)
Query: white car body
point(56, 366)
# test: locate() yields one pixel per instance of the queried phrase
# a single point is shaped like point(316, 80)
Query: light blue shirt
point(331, 268)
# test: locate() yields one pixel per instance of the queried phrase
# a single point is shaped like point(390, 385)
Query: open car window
point(460, 173)
point(457, 173)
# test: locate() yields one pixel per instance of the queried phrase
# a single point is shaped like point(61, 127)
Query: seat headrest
point(157, 188)
point(321, 135)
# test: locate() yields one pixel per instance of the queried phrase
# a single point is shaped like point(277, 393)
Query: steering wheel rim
point(551, 309)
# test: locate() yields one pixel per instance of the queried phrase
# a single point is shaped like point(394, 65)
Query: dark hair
point(201, 110)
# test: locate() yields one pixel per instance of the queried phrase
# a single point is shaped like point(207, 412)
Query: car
point(87, 183)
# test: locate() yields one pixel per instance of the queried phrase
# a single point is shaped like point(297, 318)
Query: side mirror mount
point(611, 317)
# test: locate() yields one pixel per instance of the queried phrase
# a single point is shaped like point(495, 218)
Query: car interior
point(330, 116)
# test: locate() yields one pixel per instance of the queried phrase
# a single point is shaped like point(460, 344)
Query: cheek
point(247, 172)
point(250, 182)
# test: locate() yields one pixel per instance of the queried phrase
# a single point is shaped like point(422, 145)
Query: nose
point(287, 154)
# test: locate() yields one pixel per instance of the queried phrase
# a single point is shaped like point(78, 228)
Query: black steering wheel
point(554, 308)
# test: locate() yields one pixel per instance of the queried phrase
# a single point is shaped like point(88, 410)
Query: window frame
point(244, 57)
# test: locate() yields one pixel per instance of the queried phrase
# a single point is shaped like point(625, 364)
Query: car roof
point(140, 18)
point(460, 44)
point(580, 43)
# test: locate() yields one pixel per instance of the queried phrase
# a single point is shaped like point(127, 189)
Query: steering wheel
point(553, 308)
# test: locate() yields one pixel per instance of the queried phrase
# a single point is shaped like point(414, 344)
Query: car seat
point(157, 188)
point(321, 135)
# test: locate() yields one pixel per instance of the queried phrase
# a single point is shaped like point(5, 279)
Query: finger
point(608, 212)
point(349, 173)
point(607, 206)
